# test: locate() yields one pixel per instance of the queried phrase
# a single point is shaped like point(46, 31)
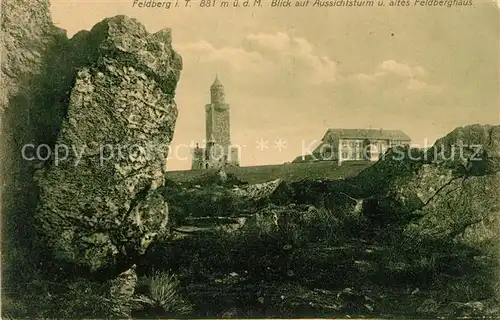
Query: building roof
point(304, 158)
point(217, 82)
point(366, 134)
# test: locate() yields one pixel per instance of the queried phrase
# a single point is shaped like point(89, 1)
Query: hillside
point(287, 172)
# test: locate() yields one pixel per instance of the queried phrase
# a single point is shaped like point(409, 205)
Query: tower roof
point(217, 82)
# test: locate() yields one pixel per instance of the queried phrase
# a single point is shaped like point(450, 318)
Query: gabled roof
point(366, 134)
point(305, 158)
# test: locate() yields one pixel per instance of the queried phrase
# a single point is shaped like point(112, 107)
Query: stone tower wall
point(217, 124)
point(218, 132)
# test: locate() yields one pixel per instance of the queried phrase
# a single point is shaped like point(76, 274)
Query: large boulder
point(34, 77)
point(451, 195)
point(474, 150)
point(98, 205)
point(215, 200)
point(28, 38)
point(335, 195)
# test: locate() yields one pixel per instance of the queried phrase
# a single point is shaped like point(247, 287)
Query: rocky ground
point(404, 238)
point(82, 238)
point(297, 260)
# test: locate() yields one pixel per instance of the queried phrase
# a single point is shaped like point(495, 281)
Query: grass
point(157, 296)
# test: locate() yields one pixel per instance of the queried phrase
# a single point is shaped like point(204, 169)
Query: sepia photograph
point(263, 159)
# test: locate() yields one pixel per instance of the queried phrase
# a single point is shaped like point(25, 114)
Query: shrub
point(158, 296)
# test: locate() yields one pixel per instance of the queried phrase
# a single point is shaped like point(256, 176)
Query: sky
point(292, 73)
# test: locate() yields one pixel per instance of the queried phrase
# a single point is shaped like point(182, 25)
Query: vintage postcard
point(167, 159)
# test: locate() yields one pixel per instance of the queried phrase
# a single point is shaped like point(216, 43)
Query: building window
point(345, 155)
point(358, 150)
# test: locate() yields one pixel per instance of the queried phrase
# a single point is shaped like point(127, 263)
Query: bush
point(158, 296)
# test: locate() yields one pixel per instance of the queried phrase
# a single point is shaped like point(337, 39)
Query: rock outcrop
point(335, 195)
point(34, 78)
point(257, 192)
point(449, 192)
point(98, 205)
point(215, 200)
point(473, 150)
